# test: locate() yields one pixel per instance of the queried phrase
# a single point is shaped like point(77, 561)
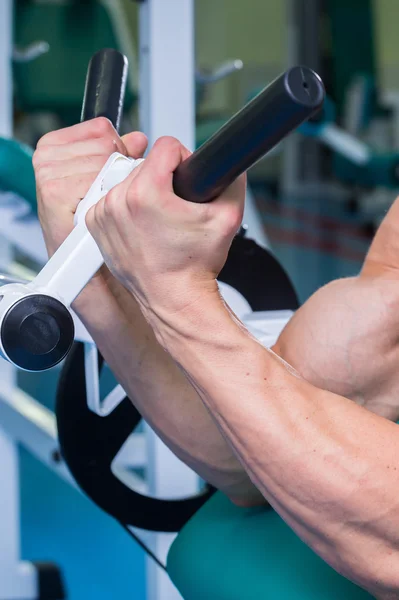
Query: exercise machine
point(276, 98)
point(36, 327)
point(84, 430)
point(66, 48)
point(94, 471)
point(350, 151)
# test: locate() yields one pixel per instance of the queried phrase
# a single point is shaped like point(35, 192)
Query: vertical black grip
point(274, 113)
point(105, 86)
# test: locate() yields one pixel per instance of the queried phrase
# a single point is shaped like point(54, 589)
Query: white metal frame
point(17, 578)
point(167, 107)
point(167, 77)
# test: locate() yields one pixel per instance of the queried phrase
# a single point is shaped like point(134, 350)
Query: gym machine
point(357, 125)
point(36, 327)
point(290, 99)
point(66, 48)
point(82, 431)
point(90, 438)
point(30, 423)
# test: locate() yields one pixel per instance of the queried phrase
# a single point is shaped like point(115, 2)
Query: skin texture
point(326, 464)
point(66, 163)
point(292, 421)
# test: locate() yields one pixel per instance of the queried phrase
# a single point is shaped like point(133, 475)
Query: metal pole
point(17, 579)
point(302, 169)
point(167, 107)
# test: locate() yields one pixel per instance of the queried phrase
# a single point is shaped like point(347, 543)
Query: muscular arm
point(66, 163)
point(345, 337)
point(160, 390)
point(327, 465)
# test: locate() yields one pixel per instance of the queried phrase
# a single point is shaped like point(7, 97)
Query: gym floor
point(316, 242)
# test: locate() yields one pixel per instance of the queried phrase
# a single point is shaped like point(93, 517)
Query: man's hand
point(168, 252)
point(66, 162)
point(159, 246)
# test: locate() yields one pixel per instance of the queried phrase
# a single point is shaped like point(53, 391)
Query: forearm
point(160, 390)
point(328, 466)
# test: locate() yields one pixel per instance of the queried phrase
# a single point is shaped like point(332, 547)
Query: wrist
point(94, 302)
point(195, 312)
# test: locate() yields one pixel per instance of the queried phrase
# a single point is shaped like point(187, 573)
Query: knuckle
point(111, 200)
point(42, 172)
point(103, 126)
point(231, 221)
point(135, 192)
point(90, 218)
point(167, 142)
point(44, 140)
point(37, 158)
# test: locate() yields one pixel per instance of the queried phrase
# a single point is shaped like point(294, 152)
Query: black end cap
point(305, 87)
point(50, 581)
point(37, 332)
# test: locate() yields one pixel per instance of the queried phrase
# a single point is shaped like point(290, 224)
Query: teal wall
point(99, 560)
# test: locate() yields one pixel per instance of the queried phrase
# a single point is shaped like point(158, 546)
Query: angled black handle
point(105, 86)
point(274, 113)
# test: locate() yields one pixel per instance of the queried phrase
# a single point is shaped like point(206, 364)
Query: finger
point(116, 214)
point(104, 146)
point(235, 192)
point(90, 219)
point(229, 207)
point(162, 160)
point(67, 191)
point(95, 219)
point(95, 128)
point(136, 144)
point(68, 168)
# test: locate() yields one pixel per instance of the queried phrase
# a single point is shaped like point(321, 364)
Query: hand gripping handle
point(274, 113)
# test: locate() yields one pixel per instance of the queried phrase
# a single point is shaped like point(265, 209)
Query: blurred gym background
point(319, 197)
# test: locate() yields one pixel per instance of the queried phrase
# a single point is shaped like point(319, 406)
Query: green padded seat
point(230, 553)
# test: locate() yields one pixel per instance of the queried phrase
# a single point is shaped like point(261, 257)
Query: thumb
point(135, 143)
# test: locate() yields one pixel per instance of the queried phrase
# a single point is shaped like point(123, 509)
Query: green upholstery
point(230, 553)
point(380, 170)
point(16, 170)
point(74, 31)
point(347, 59)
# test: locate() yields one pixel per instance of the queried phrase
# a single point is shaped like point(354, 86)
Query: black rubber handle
point(274, 113)
point(105, 86)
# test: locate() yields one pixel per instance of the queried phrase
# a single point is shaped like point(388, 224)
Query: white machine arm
point(67, 272)
point(57, 285)
point(36, 326)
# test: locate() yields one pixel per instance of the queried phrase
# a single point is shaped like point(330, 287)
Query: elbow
point(381, 576)
point(385, 584)
point(249, 500)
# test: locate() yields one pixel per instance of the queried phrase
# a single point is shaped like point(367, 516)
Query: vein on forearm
point(327, 465)
point(161, 392)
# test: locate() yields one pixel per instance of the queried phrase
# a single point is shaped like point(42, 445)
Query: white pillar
point(167, 107)
point(6, 28)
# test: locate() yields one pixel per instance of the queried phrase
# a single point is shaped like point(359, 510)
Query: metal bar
point(34, 426)
point(167, 107)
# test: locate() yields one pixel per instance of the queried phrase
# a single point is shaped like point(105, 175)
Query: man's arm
point(159, 389)
point(345, 337)
point(327, 465)
point(66, 163)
